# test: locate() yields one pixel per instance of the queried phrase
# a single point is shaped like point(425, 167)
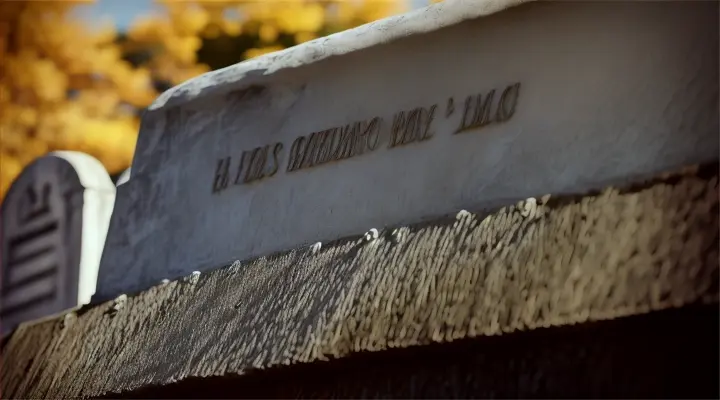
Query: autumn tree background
point(66, 85)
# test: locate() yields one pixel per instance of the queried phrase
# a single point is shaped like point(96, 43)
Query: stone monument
point(123, 178)
point(54, 222)
point(376, 127)
point(473, 200)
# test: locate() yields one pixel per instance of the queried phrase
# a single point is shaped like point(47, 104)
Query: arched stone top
point(54, 222)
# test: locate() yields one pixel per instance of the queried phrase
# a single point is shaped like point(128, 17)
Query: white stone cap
point(250, 72)
point(97, 210)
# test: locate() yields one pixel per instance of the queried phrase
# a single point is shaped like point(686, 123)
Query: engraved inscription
point(254, 165)
point(334, 144)
point(360, 137)
point(259, 163)
point(508, 102)
point(412, 126)
point(221, 174)
point(478, 110)
point(275, 159)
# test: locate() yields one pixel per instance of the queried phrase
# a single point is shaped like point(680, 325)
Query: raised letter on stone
point(508, 102)
point(398, 129)
point(429, 116)
point(257, 164)
point(481, 112)
point(346, 144)
point(311, 149)
point(296, 150)
point(374, 126)
point(324, 147)
point(276, 162)
point(221, 174)
point(241, 168)
point(450, 109)
point(413, 126)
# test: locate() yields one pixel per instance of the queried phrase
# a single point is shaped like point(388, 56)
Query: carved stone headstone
point(54, 223)
point(408, 118)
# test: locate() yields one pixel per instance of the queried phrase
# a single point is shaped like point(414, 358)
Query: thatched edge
point(540, 263)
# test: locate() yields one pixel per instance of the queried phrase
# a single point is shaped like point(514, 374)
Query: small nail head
point(397, 235)
point(67, 320)
point(528, 207)
point(118, 303)
point(372, 234)
point(462, 214)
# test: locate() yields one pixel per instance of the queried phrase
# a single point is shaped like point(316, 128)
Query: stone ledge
point(540, 263)
point(660, 355)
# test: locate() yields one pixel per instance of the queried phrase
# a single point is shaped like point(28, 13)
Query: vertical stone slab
point(399, 121)
point(54, 223)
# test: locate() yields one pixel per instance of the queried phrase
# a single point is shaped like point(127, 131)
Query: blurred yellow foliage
point(64, 85)
point(180, 25)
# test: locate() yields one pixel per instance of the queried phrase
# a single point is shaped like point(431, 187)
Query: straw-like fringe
point(536, 264)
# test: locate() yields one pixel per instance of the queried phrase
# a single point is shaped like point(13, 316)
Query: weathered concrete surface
point(609, 91)
point(549, 262)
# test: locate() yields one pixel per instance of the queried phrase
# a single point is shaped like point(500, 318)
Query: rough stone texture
point(54, 221)
point(542, 263)
point(610, 91)
point(664, 354)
